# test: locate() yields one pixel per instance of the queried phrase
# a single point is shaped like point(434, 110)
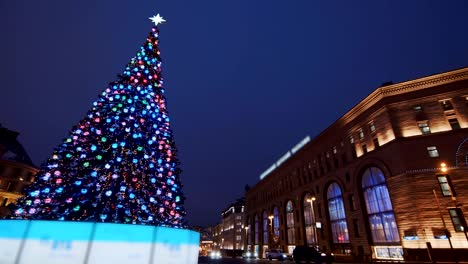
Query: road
point(207, 260)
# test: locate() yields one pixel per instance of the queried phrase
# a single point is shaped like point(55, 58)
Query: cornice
point(405, 87)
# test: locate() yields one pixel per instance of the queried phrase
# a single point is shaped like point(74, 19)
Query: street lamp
point(270, 232)
point(246, 237)
point(314, 223)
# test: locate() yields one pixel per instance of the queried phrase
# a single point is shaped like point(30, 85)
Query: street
point(207, 260)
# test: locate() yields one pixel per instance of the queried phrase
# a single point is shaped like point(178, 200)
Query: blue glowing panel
point(128, 244)
point(55, 242)
point(11, 234)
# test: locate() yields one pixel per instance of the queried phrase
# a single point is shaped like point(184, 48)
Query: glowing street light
point(314, 227)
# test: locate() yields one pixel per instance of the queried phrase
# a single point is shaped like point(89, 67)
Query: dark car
point(311, 254)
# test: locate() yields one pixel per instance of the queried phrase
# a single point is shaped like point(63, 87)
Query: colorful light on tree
point(119, 164)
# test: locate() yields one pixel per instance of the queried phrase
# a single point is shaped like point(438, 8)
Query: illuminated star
point(157, 19)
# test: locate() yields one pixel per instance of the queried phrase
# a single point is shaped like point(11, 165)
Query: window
point(372, 126)
point(361, 133)
point(309, 219)
point(266, 227)
point(379, 207)
point(417, 108)
point(445, 185)
point(424, 127)
point(376, 143)
point(458, 220)
point(433, 152)
point(364, 148)
point(337, 213)
point(446, 105)
point(276, 223)
point(351, 139)
point(335, 150)
point(238, 238)
point(256, 229)
point(290, 223)
point(440, 233)
point(410, 234)
point(454, 123)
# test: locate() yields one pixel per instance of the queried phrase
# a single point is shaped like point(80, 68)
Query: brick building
point(387, 180)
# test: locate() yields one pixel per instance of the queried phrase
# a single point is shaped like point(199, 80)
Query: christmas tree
point(119, 163)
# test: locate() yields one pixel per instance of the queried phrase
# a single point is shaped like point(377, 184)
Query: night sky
point(246, 80)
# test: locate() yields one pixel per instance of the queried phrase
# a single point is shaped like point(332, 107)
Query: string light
point(118, 161)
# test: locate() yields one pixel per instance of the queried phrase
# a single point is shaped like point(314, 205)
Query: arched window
point(309, 219)
point(379, 207)
point(290, 222)
point(256, 230)
point(265, 228)
point(337, 214)
point(276, 223)
point(462, 154)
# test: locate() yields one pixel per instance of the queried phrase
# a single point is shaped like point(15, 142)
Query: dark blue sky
point(246, 80)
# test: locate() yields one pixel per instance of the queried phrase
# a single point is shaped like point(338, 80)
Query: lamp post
point(314, 223)
point(246, 237)
point(270, 232)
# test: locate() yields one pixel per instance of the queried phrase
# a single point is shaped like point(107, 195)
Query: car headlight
point(284, 255)
point(247, 254)
point(256, 254)
point(323, 254)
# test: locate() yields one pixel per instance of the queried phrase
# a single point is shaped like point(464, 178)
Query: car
point(307, 254)
point(276, 254)
point(248, 255)
point(215, 255)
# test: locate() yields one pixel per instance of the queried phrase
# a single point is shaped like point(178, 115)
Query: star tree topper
point(157, 19)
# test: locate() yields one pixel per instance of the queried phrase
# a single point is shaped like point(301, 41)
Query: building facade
point(16, 169)
point(387, 180)
point(229, 235)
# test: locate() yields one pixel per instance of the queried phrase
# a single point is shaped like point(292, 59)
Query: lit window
point(445, 185)
point(361, 133)
point(290, 223)
point(417, 108)
point(379, 207)
point(458, 220)
point(446, 105)
point(424, 127)
point(454, 123)
point(410, 234)
point(433, 152)
point(351, 139)
point(337, 213)
point(276, 223)
point(335, 150)
point(309, 219)
point(372, 127)
point(266, 226)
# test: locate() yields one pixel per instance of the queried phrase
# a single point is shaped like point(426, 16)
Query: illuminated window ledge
point(59, 242)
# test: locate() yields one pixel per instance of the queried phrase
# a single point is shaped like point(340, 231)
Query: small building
point(387, 180)
point(16, 169)
point(231, 236)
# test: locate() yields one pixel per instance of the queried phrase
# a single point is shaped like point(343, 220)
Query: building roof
point(11, 149)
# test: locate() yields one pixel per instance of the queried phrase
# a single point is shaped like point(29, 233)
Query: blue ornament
point(109, 193)
point(132, 196)
point(78, 183)
point(83, 191)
